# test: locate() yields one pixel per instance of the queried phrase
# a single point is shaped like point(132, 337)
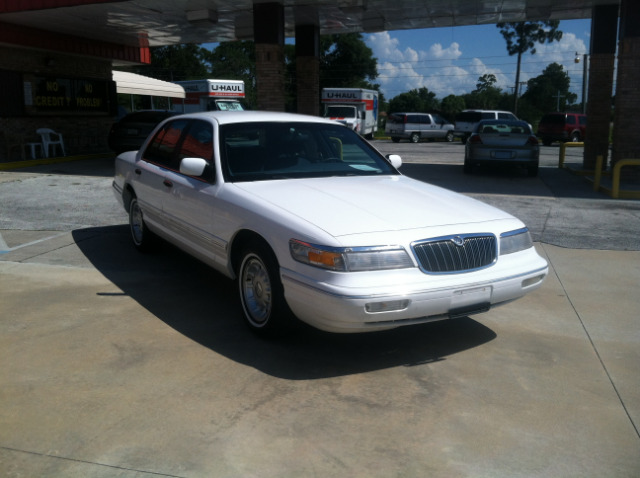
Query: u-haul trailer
point(210, 95)
point(355, 107)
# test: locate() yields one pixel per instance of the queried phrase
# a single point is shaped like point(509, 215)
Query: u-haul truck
point(210, 95)
point(355, 107)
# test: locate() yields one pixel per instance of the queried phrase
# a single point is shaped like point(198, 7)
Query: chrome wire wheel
point(255, 290)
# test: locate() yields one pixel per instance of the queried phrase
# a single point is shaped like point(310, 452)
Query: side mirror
point(395, 160)
point(193, 166)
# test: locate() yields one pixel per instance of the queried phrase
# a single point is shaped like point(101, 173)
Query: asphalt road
point(559, 208)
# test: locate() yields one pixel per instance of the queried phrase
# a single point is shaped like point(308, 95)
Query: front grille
point(461, 253)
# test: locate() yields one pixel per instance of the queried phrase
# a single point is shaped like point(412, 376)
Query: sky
point(450, 60)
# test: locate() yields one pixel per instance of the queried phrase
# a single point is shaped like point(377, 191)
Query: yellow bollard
point(597, 175)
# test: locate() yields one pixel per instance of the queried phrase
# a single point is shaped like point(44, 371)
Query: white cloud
point(444, 70)
point(436, 68)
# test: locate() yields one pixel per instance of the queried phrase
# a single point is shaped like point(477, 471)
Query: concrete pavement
point(121, 364)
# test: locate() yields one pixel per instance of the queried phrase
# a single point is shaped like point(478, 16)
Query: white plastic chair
point(49, 139)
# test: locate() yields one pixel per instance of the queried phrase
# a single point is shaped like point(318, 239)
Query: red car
point(562, 127)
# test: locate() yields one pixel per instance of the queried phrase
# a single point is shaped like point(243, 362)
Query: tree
point(420, 100)
point(549, 91)
point(486, 95)
point(521, 37)
point(176, 63)
point(452, 105)
point(346, 62)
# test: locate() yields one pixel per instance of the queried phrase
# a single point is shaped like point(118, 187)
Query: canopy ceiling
point(166, 22)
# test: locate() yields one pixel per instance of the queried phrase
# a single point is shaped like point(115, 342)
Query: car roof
point(485, 111)
point(233, 117)
point(503, 121)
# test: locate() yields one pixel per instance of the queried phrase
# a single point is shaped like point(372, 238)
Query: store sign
point(66, 95)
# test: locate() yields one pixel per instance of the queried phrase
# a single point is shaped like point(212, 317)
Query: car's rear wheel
point(449, 137)
point(575, 138)
point(261, 293)
point(140, 234)
point(415, 138)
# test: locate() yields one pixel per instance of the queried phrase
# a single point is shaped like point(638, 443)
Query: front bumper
point(376, 308)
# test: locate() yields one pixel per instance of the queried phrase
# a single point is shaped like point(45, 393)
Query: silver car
point(502, 142)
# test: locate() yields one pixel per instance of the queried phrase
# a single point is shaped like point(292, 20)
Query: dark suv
point(562, 127)
point(130, 131)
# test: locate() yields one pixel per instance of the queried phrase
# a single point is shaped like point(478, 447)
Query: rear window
point(469, 117)
point(396, 118)
point(552, 119)
point(504, 127)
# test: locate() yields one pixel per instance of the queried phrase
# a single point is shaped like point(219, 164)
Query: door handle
point(167, 183)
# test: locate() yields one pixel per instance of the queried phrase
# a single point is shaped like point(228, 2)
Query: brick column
point(308, 69)
point(626, 140)
point(268, 27)
point(601, 66)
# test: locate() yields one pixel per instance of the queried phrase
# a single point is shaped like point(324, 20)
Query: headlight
point(515, 241)
point(350, 259)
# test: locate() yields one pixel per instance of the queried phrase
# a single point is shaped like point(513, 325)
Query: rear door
point(427, 126)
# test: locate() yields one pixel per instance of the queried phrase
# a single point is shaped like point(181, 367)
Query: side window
point(424, 119)
point(162, 149)
point(488, 115)
point(198, 142)
point(508, 116)
point(571, 119)
point(583, 120)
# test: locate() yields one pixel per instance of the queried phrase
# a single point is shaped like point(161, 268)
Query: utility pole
point(585, 72)
point(558, 96)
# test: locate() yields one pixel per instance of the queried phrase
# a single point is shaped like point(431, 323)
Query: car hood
point(354, 205)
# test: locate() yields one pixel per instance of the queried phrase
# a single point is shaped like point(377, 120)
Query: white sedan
point(313, 222)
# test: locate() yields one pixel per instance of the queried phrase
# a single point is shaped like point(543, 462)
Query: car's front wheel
point(261, 292)
point(449, 137)
point(140, 234)
point(414, 138)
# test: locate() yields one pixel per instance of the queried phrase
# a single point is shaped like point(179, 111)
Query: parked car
point(562, 127)
point(128, 133)
point(502, 142)
point(417, 126)
point(313, 222)
point(467, 120)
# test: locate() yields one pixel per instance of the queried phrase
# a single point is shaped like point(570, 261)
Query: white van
point(417, 126)
point(468, 119)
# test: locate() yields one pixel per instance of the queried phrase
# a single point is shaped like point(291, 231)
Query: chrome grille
point(461, 253)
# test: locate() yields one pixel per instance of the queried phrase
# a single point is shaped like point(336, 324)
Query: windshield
point(263, 151)
point(340, 112)
point(226, 105)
